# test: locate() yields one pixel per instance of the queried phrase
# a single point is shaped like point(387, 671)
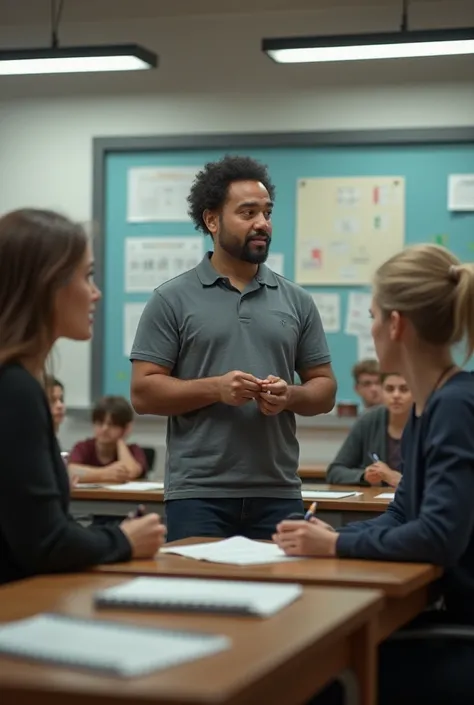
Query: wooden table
point(405, 585)
point(337, 512)
point(284, 659)
point(314, 473)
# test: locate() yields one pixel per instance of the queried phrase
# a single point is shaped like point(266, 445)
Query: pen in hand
point(139, 512)
point(374, 457)
point(311, 512)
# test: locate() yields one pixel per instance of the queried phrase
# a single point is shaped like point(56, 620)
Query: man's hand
point(274, 396)
point(237, 388)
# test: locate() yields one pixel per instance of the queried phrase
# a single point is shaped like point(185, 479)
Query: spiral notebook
point(110, 647)
point(199, 595)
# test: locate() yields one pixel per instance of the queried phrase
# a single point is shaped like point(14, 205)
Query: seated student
point(371, 454)
point(107, 457)
point(366, 376)
point(423, 305)
point(55, 393)
point(46, 293)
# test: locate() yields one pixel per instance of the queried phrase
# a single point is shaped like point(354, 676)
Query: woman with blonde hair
point(46, 292)
point(423, 305)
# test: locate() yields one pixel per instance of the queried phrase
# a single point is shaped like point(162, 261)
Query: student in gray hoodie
point(370, 455)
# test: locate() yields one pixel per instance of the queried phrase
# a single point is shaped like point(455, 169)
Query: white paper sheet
point(131, 316)
point(329, 307)
point(276, 262)
point(159, 193)
point(135, 487)
point(151, 261)
point(234, 551)
point(366, 347)
point(327, 494)
point(358, 320)
point(461, 192)
point(385, 495)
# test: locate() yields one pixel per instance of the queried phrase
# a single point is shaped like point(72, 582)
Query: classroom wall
point(212, 78)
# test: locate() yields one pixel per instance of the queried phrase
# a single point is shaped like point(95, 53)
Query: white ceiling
point(38, 11)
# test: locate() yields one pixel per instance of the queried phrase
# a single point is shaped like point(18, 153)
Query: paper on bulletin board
point(131, 317)
point(329, 307)
point(276, 262)
point(346, 228)
point(151, 261)
point(358, 321)
point(158, 194)
point(366, 348)
point(461, 192)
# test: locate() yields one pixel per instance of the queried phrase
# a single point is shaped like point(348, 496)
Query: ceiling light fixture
point(386, 45)
point(119, 57)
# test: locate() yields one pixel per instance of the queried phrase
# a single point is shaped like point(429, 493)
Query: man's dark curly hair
point(209, 190)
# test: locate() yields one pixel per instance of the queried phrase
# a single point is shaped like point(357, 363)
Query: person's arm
point(393, 516)
point(348, 466)
point(154, 355)
point(317, 392)
point(79, 466)
point(41, 537)
point(444, 526)
point(133, 458)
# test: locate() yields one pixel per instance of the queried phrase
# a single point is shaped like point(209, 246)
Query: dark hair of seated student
point(107, 457)
point(47, 292)
point(422, 309)
point(367, 382)
point(55, 392)
point(371, 453)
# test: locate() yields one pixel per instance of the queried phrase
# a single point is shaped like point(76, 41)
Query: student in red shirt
point(107, 457)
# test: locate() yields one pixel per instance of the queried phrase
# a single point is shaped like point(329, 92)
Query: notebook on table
point(109, 647)
point(200, 595)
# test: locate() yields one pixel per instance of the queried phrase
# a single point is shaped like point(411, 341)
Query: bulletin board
point(421, 159)
point(346, 227)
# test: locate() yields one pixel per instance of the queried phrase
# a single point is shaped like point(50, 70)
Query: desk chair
point(150, 459)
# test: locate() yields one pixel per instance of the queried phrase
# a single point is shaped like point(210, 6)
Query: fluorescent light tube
point(399, 45)
point(128, 57)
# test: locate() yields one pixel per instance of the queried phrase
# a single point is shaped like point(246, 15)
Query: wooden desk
point(405, 585)
point(313, 473)
point(284, 659)
point(336, 512)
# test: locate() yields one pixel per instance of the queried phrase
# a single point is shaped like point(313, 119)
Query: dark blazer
point(37, 535)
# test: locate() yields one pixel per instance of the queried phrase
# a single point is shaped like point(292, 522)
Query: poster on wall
point(151, 261)
point(346, 227)
point(159, 194)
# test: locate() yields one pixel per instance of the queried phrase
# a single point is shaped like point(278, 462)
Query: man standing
point(216, 351)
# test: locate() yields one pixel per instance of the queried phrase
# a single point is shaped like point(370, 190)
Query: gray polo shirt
point(198, 325)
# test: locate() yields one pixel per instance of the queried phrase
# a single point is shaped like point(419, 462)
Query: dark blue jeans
point(255, 518)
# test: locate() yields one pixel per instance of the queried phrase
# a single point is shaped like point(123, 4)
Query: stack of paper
point(236, 551)
point(327, 494)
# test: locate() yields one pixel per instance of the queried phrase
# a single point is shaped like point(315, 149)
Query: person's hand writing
point(391, 477)
point(237, 388)
point(115, 472)
point(372, 474)
point(146, 535)
point(305, 538)
point(273, 396)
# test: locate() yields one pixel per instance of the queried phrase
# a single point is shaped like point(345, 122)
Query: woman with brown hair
point(46, 292)
point(423, 305)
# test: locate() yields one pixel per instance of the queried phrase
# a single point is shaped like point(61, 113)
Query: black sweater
point(36, 533)
point(432, 516)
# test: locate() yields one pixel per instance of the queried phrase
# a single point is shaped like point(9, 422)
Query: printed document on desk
point(135, 487)
point(327, 494)
point(235, 551)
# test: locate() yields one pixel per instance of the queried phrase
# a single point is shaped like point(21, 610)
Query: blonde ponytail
point(463, 314)
point(429, 286)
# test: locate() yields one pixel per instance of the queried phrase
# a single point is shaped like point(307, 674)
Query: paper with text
point(329, 307)
point(159, 194)
point(151, 261)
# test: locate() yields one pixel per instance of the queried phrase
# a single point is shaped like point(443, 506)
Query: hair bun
point(454, 273)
